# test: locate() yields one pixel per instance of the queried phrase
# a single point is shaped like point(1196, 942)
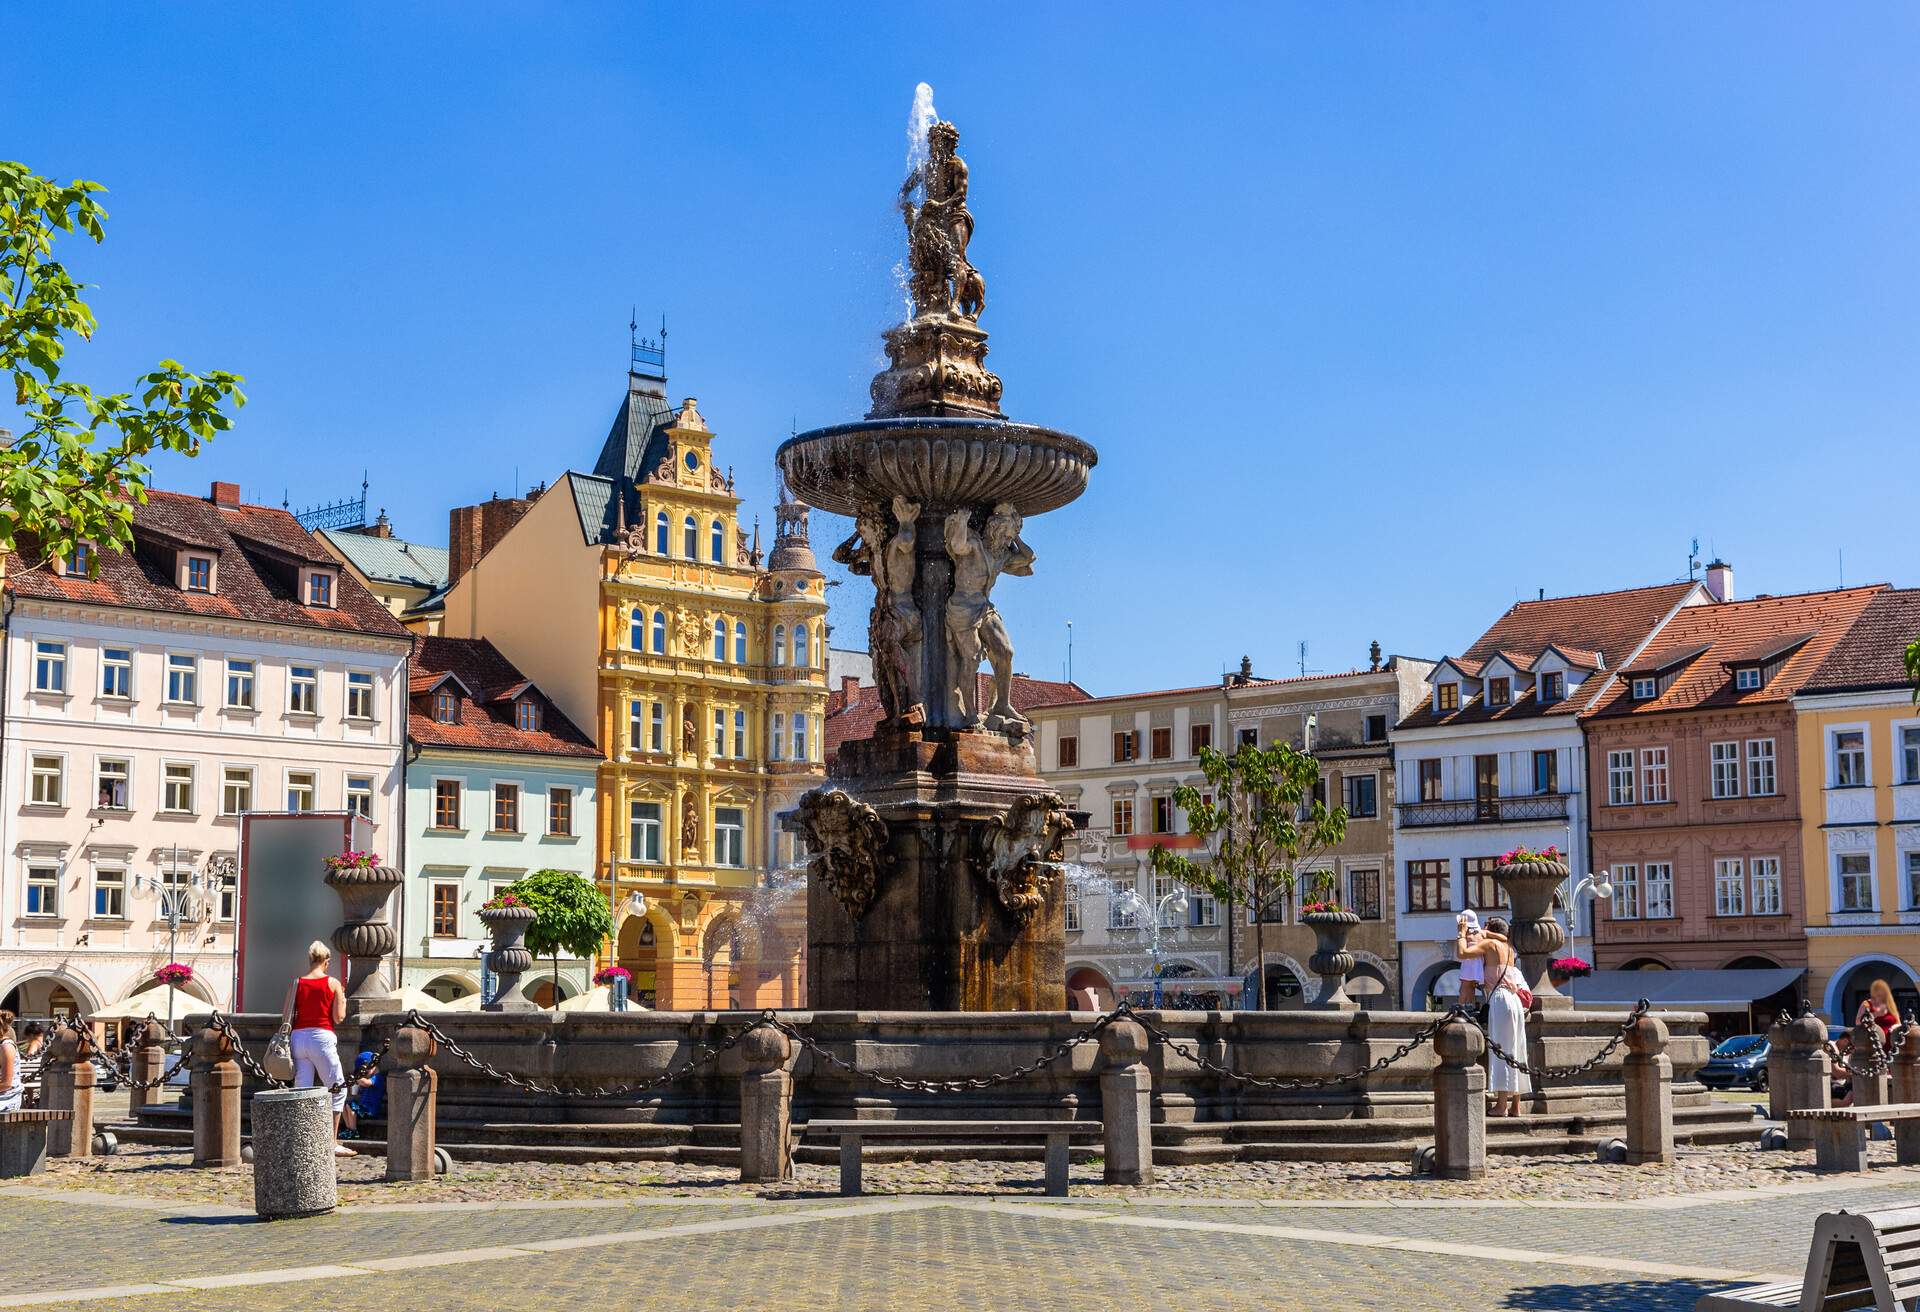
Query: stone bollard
point(1649, 1079)
point(766, 1107)
point(1459, 1102)
point(1809, 1076)
point(67, 1082)
point(413, 1089)
point(149, 1045)
point(216, 1100)
point(1126, 1103)
point(1868, 1090)
point(1905, 1087)
point(1778, 1038)
point(293, 1164)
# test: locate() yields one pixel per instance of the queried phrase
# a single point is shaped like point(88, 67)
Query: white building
point(226, 664)
point(1494, 759)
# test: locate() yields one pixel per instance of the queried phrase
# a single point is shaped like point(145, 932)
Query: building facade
point(226, 664)
point(500, 784)
point(1493, 759)
point(1858, 739)
point(1119, 760)
point(1698, 804)
point(633, 598)
point(408, 578)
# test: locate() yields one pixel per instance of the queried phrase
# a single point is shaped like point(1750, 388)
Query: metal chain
point(252, 1066)
point(1640, 1009)
point(1879, 1064)
point(1123, 1011)
point(1311, 1082)
point(707, 1054)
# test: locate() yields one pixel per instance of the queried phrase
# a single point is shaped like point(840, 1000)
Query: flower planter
point(1330, 960)
point(364, 938)
point(508, 958)
point(1534, 932)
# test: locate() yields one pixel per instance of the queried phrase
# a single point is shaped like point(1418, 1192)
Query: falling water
point(921, 117)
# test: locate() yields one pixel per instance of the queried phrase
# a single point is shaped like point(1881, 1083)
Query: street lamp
point(172, 891)
point(1174, 902)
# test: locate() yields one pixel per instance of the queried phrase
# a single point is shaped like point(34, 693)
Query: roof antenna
point(1693, 560)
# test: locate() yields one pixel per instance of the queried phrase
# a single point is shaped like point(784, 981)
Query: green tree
point(78, 468)
point(568, 912)
point(1263, 827)
point(1913, 667)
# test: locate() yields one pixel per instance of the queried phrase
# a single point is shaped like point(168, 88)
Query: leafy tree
point(1913, 667)
point(1263, 826)
point(78, 468)
point(568, 912)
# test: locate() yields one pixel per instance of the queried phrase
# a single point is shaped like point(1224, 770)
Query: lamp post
point(172, 893)
point(1156, 917)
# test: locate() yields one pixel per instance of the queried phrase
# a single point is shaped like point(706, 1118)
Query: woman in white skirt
point(1506, 1018)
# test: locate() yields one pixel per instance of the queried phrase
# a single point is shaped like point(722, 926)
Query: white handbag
point(279, 1062)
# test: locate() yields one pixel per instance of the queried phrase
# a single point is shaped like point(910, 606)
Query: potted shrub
point(507, 917)
point(1562, 969)
point(173, 975)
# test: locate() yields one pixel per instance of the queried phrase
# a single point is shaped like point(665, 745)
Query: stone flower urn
point(1330, 960)
point(365, 938)
point(1534, 932)
point(508, 958)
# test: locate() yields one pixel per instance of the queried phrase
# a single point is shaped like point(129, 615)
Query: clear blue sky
point(1381, 316)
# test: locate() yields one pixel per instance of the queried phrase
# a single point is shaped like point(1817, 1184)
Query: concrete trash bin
point(293, 1163)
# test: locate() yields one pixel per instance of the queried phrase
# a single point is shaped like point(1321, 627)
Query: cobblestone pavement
point(714, 1249)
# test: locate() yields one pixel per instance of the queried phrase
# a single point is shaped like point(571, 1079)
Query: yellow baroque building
point(1858, 733)
point(635, 598)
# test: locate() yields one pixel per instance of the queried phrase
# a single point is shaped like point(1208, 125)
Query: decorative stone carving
point(848, 840)
point(939, 228)
point(508, 957)
point(689, 826)
point(1021, 846)
point(693, 632)
point(894, 624)
point(974, 626)
point(1536, 935)
point(365, 939)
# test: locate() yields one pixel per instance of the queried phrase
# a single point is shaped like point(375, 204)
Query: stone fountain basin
point(942, 463)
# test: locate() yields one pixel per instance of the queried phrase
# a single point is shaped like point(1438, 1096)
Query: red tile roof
point(850, 719)
point(485, 680)
point(259, 549)
point(1601, 627)
point(1747, 631)
point(1872, 657)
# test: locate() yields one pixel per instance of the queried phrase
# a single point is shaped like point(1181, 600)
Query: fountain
point(931, 885)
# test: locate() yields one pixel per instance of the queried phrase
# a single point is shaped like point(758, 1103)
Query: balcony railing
point(1484, 811)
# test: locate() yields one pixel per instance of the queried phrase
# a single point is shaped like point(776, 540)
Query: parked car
point(1738, 1063)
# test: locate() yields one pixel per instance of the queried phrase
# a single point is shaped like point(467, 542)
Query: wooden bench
point(852, 1134)
point(1839, 1134)
point(1857, 1260)
point(23, 1141)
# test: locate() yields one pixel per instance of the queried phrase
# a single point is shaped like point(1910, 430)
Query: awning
point(1681, 990)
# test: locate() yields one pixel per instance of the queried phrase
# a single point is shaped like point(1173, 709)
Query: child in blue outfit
point(366, 1097)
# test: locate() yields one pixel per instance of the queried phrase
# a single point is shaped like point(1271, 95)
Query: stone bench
point(1856, 1260)
point(23, 1141)
point(1839, 1134)
point(1057, 1134)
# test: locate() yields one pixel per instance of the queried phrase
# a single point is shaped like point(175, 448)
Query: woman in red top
point(1880, 1009)
point(315, 1004)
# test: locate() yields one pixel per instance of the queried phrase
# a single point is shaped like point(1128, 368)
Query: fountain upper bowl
point(940, 462)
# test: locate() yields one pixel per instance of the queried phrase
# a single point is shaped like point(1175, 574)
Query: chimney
point(1720, 580)
point(382, 527)
point(472, 530)
point(225, 494)
point(850, 689)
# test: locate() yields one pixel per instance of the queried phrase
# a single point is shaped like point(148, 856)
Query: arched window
point(779, 644)
point(660, 632)
point(720, 640)
point(800, 657)
point(740, 643)
point(638, 629)
point(660, 534)
point(719, 542)
point(690, 538)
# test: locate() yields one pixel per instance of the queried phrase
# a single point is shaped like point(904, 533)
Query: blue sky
point(1381, 316)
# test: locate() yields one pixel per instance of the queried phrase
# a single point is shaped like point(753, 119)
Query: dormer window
point(1499, 691)
point(1644, 689)
point(446, 709)
point(79, 560)
point(1747, 678)
point(1553, 686)
point(526, 715)
point(199, 574)
point(320, 588)
point(1446, 697)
